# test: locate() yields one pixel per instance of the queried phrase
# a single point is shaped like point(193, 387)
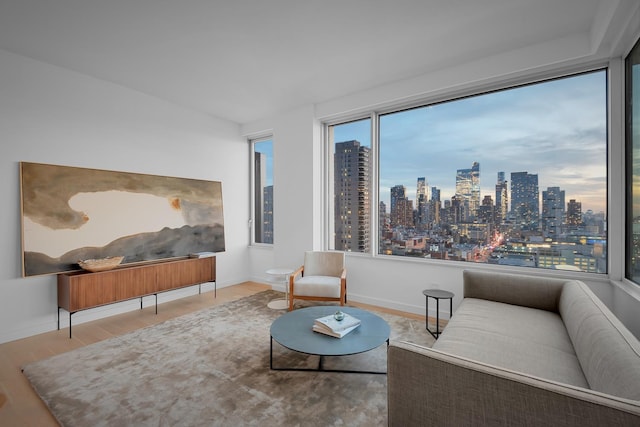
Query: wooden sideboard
point(83, 290)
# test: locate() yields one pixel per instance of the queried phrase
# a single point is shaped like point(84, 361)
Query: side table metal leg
point(437, 317)
point(426, 317)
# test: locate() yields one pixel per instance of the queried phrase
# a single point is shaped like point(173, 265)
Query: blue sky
point(266, 147)
point(556, 129)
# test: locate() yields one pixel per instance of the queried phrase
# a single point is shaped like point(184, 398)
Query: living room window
point(633, 165)
point(515, 177)
point(262, 186)
point(352, 171)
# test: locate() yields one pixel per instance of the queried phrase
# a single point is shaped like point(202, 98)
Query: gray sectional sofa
point(519, 351)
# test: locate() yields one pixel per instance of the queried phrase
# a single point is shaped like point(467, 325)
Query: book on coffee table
point(328, 325)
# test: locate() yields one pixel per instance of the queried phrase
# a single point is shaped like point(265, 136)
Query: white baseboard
point(49, 323)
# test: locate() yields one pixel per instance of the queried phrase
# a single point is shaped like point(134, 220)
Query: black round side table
point(437, 294)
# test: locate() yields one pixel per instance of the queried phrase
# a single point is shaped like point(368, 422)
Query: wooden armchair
point(323, 277)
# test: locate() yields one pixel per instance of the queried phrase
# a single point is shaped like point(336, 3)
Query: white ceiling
point(244, 60)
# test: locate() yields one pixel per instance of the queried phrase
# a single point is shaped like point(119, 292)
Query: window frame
point(629, 163)
point(467, 91)
point(252, 184)
point(329, 184)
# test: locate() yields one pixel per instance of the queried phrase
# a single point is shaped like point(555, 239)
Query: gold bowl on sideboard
point(102, 264)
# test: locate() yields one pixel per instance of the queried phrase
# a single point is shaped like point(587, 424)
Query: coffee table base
point(320, 368)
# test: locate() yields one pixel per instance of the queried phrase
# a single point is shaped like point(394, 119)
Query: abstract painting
point(71, 213)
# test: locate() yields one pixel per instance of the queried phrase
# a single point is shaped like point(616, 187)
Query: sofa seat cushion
point(522, 339)
point(319, 286)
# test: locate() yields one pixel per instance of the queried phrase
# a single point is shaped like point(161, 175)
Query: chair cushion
point(317, 286)
point(323, 263)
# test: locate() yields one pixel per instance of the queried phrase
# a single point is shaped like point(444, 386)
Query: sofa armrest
point(429, 387)
point(526, 290)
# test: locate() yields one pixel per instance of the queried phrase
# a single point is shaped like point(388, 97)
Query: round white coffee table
point(280, 275)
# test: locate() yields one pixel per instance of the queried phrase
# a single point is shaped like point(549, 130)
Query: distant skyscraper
point(525, 206)
point(574, 213)
point(422, 201)
point(468, 190)
point(383, 226)
point(267, 220)
point(260, 180)
point(421, 186)
point(458, 210)
point(383, 218)
point(486, 212)
point(552, 211)
point(502, 198)
point(401, 207)
point(435, 205)
point(352, 164)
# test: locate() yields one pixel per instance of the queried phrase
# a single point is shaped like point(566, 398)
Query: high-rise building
point(486, 212)
point(502, 199)
point(457, 210)
point(384, 229)
point(383, 218)
point(468, 191)
point(552, 211)
point(525, 206)
point(435, 205)
point(574, 214)
point(267, 219)
point(401, 207)
point(352, 166)
point(422, 202)
point(260, 180)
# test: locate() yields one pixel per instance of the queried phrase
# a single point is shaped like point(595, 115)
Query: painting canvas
point(71, 214)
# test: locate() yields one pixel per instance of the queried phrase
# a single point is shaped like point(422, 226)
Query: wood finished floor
point(21, 406)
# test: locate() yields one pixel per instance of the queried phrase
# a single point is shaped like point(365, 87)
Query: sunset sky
point(557, 130)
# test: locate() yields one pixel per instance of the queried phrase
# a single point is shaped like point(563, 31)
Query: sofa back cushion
point(608, 353)
point(529, 291)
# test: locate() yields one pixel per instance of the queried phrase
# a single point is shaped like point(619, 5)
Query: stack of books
point(328, 325)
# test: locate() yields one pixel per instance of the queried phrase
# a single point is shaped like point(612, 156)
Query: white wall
point(297, 170)
point(52, 115)
point(397, 282)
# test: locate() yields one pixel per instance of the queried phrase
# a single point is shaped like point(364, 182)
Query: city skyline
point(435, 141)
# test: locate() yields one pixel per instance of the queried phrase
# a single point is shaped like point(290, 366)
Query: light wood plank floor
point(21, 406)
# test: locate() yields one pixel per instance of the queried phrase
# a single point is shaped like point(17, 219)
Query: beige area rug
point(211, 368)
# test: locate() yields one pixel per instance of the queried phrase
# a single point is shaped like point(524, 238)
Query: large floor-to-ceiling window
point(352, 177)
point(516, 177)
point(633, 164)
